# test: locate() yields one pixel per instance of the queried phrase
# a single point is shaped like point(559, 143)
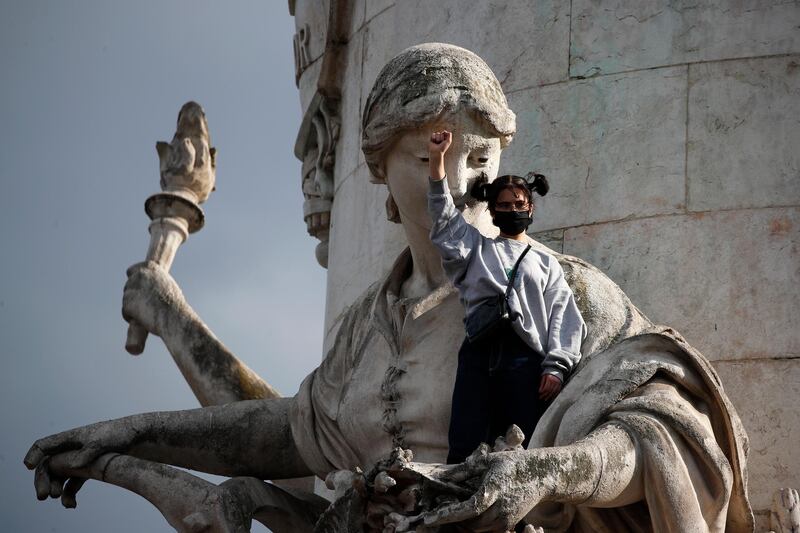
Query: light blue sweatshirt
point(541, 304)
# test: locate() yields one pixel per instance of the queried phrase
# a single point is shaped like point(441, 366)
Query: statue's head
point(430, 87)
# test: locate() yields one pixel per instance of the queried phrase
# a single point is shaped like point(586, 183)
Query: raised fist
point(440, 142)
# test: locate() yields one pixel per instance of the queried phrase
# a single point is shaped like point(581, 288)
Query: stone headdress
point(422, 83)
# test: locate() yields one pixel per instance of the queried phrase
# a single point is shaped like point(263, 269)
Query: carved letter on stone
point(301, 56)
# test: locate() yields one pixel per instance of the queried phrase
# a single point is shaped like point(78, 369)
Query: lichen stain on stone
point(574, 470)
point(581, 291)
point(252, 388)
point(780, 227)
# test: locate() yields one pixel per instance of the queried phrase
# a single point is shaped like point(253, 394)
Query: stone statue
point(642, 437)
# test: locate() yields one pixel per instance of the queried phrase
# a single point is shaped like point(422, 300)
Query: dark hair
point(484, 191)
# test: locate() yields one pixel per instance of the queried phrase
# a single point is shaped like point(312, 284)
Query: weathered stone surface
point(374, 7)
point(307, 86)
point(379, 47)
point(612, 147)
point(620, 35)
point(358, 9)
point(525, 43)
point(349, 154)
point(728, 281)
point(744, 133)
point(364, 10)
point(765, 393)
point(552, 239)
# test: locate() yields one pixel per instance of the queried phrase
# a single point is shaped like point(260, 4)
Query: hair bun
point(480, 189)
point(538, 183)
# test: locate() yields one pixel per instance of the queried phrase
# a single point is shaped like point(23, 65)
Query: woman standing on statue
point(505, 375)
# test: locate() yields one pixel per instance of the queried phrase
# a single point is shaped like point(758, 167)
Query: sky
point(87, 89)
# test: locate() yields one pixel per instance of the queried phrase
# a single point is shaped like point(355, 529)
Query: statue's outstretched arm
point(215, 375)
point(248, 438)
point(602, 470)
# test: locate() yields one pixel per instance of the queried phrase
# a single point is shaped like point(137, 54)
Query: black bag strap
point(514, 272)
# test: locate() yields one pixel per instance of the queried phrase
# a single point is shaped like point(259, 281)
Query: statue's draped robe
point(388, 381)
point(690, 441)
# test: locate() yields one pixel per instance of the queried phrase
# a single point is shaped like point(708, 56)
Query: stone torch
point(188, 169)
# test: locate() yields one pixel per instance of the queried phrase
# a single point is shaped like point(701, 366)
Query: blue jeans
point(497, 384)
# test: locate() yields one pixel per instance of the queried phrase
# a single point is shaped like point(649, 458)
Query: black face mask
point(512, 222)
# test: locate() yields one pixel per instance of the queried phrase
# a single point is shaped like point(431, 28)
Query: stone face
point(612, 147)
point(728, 281)
point(765, 394)
point(525, 43)
point(744, 133)
point(621, 35)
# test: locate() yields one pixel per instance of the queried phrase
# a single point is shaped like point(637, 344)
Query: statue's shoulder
point(609, 314)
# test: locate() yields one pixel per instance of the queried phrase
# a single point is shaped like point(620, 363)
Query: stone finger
point(126, 316)
point(33, 457)
point(41, 480)
point(458, 473)
point(490, 520)
point(460, 511)
point(456, 512)
point(49, 446)
point(136, 266)
point(73, 462)
point(56, 486)
point(69, 496)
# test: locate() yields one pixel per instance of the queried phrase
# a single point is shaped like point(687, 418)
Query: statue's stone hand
point(64, 461)
point(152, 298)
point(507, 492)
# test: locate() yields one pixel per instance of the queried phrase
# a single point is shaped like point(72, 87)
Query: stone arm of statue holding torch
point(188, 168)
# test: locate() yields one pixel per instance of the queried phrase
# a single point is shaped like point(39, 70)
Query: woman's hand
point(438, 145)
point(549, 387)
point(64, 461)
point(151, 297)
point(510, 487)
